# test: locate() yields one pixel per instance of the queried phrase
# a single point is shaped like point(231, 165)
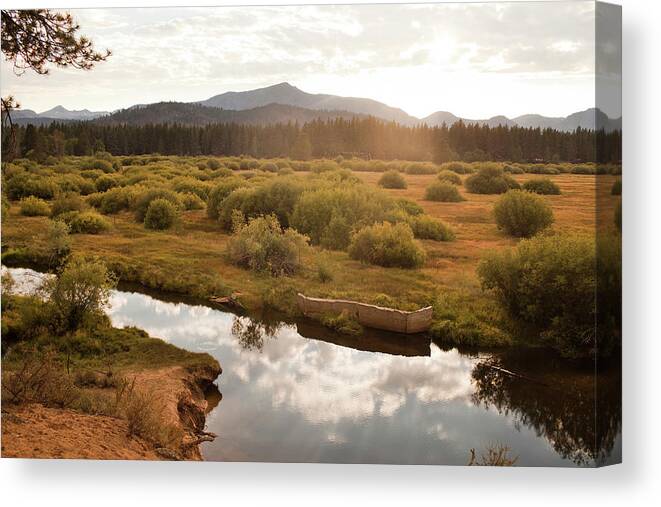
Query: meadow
point(198, 226)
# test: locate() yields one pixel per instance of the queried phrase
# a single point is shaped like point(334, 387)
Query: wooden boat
point(373, 316)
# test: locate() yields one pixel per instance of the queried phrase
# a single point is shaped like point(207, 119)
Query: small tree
point(58, 242)
point(79, 292)
point(262, 245)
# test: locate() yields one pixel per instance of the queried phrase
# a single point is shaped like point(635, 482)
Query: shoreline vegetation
point(132, 396)
point(260, 231)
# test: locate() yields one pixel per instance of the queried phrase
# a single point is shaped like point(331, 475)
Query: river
point(294, 392)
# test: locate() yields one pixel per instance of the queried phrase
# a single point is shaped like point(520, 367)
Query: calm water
point(296, 393)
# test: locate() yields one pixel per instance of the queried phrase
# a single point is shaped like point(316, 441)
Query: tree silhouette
point(31, 39)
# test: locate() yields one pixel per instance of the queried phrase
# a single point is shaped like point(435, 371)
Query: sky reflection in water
point(299, 399)
point(291, 398)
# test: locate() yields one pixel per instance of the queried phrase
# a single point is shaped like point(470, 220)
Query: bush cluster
point(447, 176)
point(549, 284)
point(145, 199)
point(65, 203)
point(263, 246)
point(34, 207)
point(542, 186)
point(85, 222)
point(328, 215)
point(219, 193)
point(490, 180)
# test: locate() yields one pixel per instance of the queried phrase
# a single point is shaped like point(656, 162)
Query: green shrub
point(86, 222)
point(387, 245)
point(269, 167)
point(392, 179)
point(144, 200)
point(275, 196)
point(34, 207)
point(58, 241)
point(326, 213)
point(443, 192)
point(542, 169)
point(583, 169)
point(191, 201)
point(105, 182)
point(548, 283)
point(80, 292)
point(114, 200)
point(213, 164)
point(513, 169)
point(522, 214)
point(102, 165)
point(616, 189)
point(426, 227)
point(322, 166)
point(75, 183)
point(66, 203)
point(161, 214)
point(421, 168)
point(457, 167)
point(449, 177)
point(193, 186)
point(219, 193)
point(324, 272)
point(262, 245)
point(490, 180)
point(26, 185)
point(542, 186)
point(468, 330)
point(409, 207)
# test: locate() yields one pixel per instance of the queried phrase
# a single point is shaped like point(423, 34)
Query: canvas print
point(383, 234)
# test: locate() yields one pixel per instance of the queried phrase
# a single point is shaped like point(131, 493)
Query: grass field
point(190, 258)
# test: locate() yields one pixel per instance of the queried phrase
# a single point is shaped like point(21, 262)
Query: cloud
point(192, 53)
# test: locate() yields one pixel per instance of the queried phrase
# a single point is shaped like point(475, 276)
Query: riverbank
point(32, 430)
point(129, 395)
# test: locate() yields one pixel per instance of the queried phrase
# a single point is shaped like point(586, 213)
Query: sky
point(474, 60)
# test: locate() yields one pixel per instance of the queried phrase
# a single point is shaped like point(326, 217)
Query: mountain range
point(284, 102)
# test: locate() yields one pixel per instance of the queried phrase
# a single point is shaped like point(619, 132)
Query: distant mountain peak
point(251, 106)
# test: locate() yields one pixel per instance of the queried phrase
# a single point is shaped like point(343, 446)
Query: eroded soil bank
point(35, 431)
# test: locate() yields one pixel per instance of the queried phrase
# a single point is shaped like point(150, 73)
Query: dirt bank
point(35, 431)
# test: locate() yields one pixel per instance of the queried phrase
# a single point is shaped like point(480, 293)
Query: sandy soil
point(35, 431)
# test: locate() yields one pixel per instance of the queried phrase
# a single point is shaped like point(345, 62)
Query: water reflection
point(294, 392)
point(252, 333)
point(558, 402)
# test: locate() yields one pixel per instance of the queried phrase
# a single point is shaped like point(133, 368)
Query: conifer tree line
point(362, 137)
